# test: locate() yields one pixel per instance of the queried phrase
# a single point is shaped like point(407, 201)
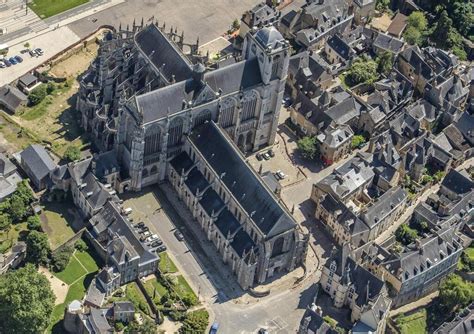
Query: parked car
point(7, 62)
point(262, 331)
point(279, 174)
point(259, 156)
point(156, 243)
point(214, 328)
point(33, 53)
point(19, 59)
point(160, 249)
point(266, 156)
point(2, 64)
point(179, 235)
point(39, 51)
point(12, 60)
point(271, 153)
point(140, 224)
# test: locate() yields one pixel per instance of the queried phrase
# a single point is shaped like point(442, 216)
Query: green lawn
point(166, 265)
point(56, 222)
point(133, 293)
point(155, 290)
point(412, 324)
point(74, 272)
point(183, 288)
point(48, 8)
point(470, 252)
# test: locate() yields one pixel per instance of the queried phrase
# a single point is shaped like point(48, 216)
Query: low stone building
point(38, 165)
point(335, 143)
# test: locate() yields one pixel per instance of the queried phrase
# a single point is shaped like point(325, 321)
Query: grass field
point(48, 8)
point(134, 295)
point(413, 324)
point(155, 290)
point(80, 271)
point(166, 265)
point(11, 136)
point(57, 222)
point(183, 288)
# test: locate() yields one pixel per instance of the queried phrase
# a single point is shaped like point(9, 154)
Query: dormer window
point(428, 263)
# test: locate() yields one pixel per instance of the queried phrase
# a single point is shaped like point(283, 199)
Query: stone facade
point(143, 94)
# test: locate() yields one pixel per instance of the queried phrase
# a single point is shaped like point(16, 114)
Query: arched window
point(248, 106)
point(275, 65)
point(145, 173)
point(226, 117)
point(152, 140)
point(278, 246)
point(130, 133)
point(153, 170)
point(202, 117)
point(175, 131)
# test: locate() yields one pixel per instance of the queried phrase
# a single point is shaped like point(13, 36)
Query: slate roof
point(457, 182)
point(182, 162)
point(195, 181)
point(227, 223)
point(384, 205)
point(340, 47)
point(6, 166)
point(93, 191)
point(463, 323)
point(269, 37)
point(98, 322)
point(11, 97)
point(38, 161)
point(211, 202)
point(123, 306)
point(388, 43)
point(465, 124)
point(344, 111)
point(105, 164)
point(28, 79)
point(246, 187)
point(242, 242)
point(160, 50)
point(317, 325)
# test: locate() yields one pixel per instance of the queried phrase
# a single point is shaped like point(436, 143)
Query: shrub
point(37, 95)
point(307, 147)
point(33, 223)
point(60, 259)
point(50, 87)
point(72, 153)
point(81, 245)
point(195, 322)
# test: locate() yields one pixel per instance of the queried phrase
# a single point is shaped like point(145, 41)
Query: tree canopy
point(307, 147)
point(415, 32)
point(72, 153)
point(37, 247)
point(27, 301)
point(455, 293)
point(385, 62)
point(363, 70)
point(195, 322)
point(405, 234)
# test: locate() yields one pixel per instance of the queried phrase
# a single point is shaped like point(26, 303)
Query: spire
point(133, 23)
point(120, 25)
point(142, 21)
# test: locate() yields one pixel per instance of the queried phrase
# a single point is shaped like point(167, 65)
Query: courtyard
point(57, 220)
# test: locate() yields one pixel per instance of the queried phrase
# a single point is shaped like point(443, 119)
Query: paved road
point(280, 313)
point(206, 19)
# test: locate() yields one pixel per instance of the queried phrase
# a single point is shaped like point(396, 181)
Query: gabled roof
point(245, 185)
point(38, 161)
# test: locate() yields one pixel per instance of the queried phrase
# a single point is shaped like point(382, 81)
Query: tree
point(462, 13)
point(357, 141)
point(72, 153)
point(27, 301)
point(147, 327)
point(37, 95)
point(363, 70)
point(61, 258)
point(196, 322)
point(382, 5)
point(27, 45)
point(405, 235)
point(24, 191)
point(418, 21)
point(37, 247)
point(385, 62)
point(307, 147)
point(33, 223)
point(81, 245)
point(50, 87)
point(235, 24)
point(412, 36)
point(456, 293)
point(18, 208)
point(5, 221)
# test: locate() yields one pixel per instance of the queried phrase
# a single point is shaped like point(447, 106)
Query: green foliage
point(50, 87)
point(176, 315)
point(190, 300)
point(72, 153)
point(37, 95)
point(412, 36)
point(60, 258)
point(330, 321)
point(438, 176)
point(382, 5)
point(418, 21)
point(307, 147)
point(147, 327)
point(37, 247)
point(81, 245)
point(358, 141)
point(405, 235)
point(467, 263)
point(385, 62)
point(33, 223)
point(425, 179)
point(420, 226)
point(195, 322)
point(415, 32)
point(456, 293)
point(27, 301)
point(235, 24)
point(16, 208)
point(363, 70)
point(119, 326)
point(5, 221)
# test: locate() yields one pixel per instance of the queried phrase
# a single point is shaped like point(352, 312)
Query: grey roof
point(463, 323)
point(458, 182)
point(335, 137)
point(11, 97)
point(388, 43)
point(123, 306)
point(105, 164)
point(271, 181)
point(465, 124)
point(269, 37)
point(227, 223)
point(93, 191)
point(98, 321)
point(162, 51)
point(242, 242)
point(384, 205)
point(316, 324)
point(345, 111)
point(6, 166)
point(38, 161)
point(28, 79)
point(341, 47)
point(246, 187)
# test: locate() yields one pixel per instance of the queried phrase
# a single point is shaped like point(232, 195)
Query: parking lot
point(51, 43)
